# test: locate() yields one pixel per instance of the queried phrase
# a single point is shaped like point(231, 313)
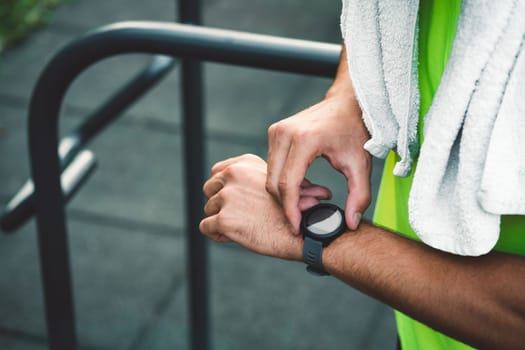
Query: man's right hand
point(332, 129)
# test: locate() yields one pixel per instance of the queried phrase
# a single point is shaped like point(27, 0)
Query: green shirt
point(437, 28)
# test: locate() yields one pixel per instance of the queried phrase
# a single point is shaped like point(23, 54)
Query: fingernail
point(356, 218)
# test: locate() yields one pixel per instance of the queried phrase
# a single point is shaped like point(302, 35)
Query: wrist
point(296, 253)
point(320, 226)
point(290, 247)
point(341, 87)
point(345, 249)
point(343, 98)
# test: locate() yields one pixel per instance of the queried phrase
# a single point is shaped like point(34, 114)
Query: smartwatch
point(320, 225)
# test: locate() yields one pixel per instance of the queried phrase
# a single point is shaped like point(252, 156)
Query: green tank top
point(437, 28)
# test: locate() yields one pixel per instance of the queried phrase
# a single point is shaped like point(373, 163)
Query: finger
point(299, 158)
point(220, 166)
point(318, 191)
point(358, 195)
point(213, 205)
point(307, 202)
point(219, 172)
point(213, 185)
point(222, 239)
point(306, 183)
point(208, 227)
point(278, 147)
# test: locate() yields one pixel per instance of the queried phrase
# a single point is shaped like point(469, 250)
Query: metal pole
point(52, 237)
point(194, 159)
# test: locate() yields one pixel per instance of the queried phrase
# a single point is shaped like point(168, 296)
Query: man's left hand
point(240, 209)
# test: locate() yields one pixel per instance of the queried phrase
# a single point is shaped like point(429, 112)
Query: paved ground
point(127, 233)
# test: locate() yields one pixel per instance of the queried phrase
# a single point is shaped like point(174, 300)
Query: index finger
point(299, 159)
point(278, 147)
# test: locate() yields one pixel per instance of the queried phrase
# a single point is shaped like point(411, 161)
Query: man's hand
point(240, 209)
point(332, 129)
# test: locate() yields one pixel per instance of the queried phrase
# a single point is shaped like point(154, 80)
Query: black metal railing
point(51, 170)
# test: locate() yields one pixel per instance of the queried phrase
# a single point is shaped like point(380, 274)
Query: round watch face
point(323, 220)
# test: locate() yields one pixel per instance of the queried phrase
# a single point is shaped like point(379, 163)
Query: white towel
point(471, 167)
point(365, 64)
point(380, 37)
point(504, 169)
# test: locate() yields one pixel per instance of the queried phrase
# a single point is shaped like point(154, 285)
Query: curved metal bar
point(20, 208)
point(148, 37)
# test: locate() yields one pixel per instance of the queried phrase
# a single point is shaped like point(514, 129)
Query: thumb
point(358, 198)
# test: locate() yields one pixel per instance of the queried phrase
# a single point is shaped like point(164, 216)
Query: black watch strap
point(313, 256)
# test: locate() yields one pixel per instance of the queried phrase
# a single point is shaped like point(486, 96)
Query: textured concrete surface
point(127, 231)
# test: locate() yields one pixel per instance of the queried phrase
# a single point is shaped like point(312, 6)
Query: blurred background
point(126, 226)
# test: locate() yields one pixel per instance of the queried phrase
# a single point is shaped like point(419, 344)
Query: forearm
point(342, 83)
point(479, 300)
